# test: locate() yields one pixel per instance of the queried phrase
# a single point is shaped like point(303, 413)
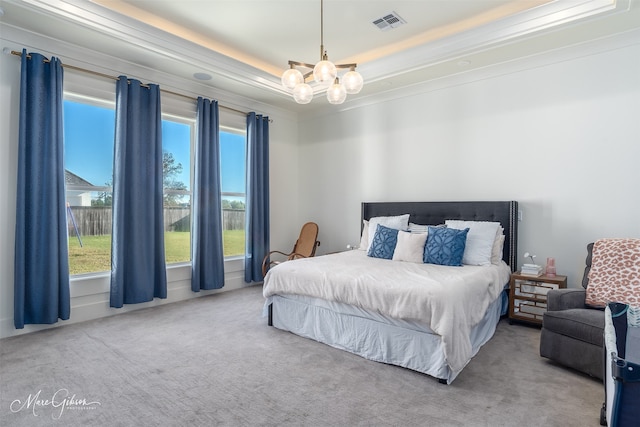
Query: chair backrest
point(308, 240)
point(587, 269)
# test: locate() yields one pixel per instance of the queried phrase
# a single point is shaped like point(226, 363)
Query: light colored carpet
point(214, 361)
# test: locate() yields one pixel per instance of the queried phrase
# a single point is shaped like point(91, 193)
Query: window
point(89, 128)
point(88, 156)
point(176, 174)
point(233, 181)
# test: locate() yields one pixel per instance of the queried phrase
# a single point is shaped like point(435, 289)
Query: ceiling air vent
point(389, 21)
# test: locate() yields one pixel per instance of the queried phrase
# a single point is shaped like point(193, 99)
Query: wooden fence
point(93, 220)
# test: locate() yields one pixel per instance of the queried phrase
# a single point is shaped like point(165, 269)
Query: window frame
point(94, 102)
point(243, 133)
point(192, 125)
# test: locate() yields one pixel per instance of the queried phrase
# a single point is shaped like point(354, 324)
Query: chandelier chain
point(321, 29)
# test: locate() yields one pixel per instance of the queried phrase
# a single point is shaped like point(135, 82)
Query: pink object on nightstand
point(551, 267)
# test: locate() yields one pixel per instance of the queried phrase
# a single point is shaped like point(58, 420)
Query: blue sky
point(89, 134)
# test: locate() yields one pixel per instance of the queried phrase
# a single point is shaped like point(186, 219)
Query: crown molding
point(622, 40)
point(507, 30)
point(551, 17)
point(167, 46)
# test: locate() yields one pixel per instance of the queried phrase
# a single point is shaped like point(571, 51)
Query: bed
point(423, 316)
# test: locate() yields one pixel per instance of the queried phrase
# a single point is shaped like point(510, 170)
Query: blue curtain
point(138, 272)
point(207, 256)
point(257, 213)
point(41, 281)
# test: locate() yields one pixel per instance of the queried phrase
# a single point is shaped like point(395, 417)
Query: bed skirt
point(375, 337)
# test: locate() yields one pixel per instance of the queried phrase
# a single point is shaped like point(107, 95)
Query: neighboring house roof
point(71, 178)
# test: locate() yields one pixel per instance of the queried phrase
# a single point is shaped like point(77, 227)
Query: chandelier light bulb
point(353, 82)
point(336, 94)
point(324, 72)
point(291, 77)
point(303, 93)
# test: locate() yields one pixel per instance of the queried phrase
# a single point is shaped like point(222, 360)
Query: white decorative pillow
point(410, 247)
point(498, 246)
point(400, 222)
point(480, 240)
point(364, 239)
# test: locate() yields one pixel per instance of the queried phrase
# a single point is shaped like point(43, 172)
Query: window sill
point(99, 283)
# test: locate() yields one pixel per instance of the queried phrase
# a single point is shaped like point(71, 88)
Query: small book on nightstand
point(531, 270)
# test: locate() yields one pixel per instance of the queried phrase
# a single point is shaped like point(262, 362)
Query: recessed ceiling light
point(202, 76)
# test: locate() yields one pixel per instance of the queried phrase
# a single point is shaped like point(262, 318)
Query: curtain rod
point(96, 73)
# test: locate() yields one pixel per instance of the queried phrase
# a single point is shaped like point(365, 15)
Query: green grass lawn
point(95, 253)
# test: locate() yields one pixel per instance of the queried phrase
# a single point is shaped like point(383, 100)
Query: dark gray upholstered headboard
point(434, 213)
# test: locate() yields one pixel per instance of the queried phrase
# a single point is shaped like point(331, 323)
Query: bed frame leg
point(270, 321)
point(442, 381)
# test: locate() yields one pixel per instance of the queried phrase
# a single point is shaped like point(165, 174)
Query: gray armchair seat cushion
point(580, 324)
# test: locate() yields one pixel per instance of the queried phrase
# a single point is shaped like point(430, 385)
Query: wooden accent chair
point(305, 247)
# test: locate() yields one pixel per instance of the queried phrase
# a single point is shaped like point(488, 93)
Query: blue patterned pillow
point(445, 246)
point(384, 243)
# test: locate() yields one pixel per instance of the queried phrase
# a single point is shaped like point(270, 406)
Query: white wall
point(560, 133)
point(90, 295)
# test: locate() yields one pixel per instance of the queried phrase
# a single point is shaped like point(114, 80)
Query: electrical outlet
point(519, 215)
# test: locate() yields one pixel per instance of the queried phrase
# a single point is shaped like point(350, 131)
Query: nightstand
point(528, 296)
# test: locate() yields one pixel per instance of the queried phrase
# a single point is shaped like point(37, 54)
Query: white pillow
point(498, 245)
point(410, 247)
point(364, 239)
point(480, 239)
point(418, 228)
point(400, 222)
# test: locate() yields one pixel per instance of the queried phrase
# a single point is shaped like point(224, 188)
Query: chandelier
point(325, 74)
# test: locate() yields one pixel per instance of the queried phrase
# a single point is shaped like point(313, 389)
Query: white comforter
point(450, 300)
